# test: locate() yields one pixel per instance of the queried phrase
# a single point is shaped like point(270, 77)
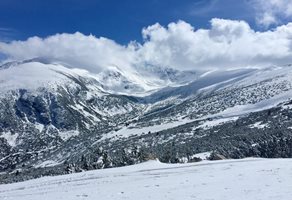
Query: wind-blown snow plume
point(226, 44)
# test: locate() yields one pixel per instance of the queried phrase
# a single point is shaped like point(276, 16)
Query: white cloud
point(270, 12)
point(77, 50)
point(227, 44)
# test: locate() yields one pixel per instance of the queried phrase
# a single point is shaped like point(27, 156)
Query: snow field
point(253, 179)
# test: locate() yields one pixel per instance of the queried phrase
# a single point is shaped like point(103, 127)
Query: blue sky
point(121, 21)
point(189, 34)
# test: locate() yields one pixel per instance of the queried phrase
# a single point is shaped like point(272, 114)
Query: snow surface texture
point(261, 179)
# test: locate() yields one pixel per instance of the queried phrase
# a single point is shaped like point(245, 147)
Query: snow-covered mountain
point(58, 118)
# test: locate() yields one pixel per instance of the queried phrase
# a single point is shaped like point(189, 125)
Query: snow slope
point(31, 76)
point(260, 179)
point(35, 73)
point(36, 76)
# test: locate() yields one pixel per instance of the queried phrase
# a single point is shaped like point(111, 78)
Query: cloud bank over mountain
point(226, 44)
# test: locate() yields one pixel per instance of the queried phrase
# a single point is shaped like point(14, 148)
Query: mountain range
point(56, 119)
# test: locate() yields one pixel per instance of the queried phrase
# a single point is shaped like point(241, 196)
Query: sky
point(121, 21)
point(186, 34)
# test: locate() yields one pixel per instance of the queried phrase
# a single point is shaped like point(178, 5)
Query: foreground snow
point(231, 179)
